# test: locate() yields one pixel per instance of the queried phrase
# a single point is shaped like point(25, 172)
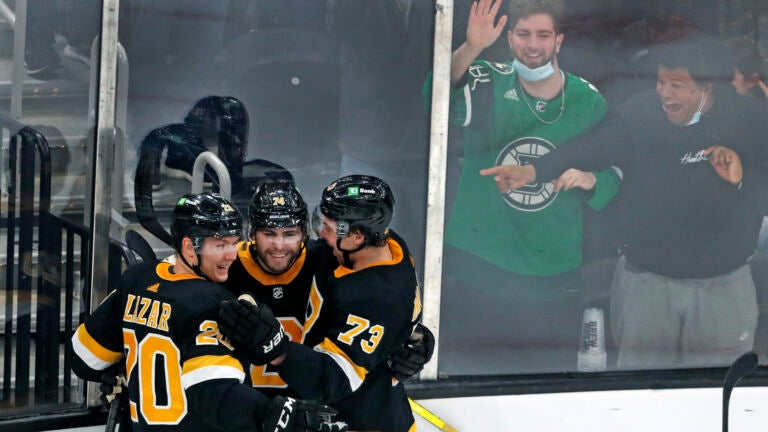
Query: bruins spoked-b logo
point(522, 151)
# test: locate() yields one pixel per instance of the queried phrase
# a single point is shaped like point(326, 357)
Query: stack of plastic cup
point(592, 356)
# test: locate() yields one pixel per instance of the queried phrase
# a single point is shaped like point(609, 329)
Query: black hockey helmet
point(225, 119)
point(277, 204)
point(359, 201)
point(233, 134)
point(198, 216)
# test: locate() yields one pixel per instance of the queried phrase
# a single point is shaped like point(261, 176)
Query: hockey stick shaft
point(114, 408)
point(430, 417)
point(743, 365)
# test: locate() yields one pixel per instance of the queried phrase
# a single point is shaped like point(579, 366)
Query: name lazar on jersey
point(522, 151)
point(148, 312)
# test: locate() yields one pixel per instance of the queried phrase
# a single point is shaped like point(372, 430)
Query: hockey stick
point(430, 417)
point(114, 408)
point(740, 368)
point(139, 244)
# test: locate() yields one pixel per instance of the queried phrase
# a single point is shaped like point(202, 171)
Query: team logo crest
point(522, 151)
point(277, 292)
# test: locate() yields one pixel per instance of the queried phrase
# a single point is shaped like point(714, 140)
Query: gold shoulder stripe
point(164, 271)
point(253, 269)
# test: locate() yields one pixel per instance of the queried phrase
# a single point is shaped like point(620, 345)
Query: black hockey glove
point(413, 355)
point(252, 329)
point(112, 385)
point(295, 415)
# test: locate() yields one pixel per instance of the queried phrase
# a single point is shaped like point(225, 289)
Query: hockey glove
point(413, 355)
point(112, 385)
point(295, 415)
point(252, 329)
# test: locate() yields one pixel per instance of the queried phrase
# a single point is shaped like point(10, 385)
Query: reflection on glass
point(307, 91)
point(526, 329)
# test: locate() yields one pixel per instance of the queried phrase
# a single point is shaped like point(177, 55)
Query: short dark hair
point(519, 9)
point(745, 55)
point(707, 59)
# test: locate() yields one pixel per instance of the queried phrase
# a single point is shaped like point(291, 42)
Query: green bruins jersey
point(293, 297)
point(372, 312)
point(164, 326)
point(532, 230)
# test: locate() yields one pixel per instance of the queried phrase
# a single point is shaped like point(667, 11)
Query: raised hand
point(481, 31)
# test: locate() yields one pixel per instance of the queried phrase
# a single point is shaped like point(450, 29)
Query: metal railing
point(45, 271)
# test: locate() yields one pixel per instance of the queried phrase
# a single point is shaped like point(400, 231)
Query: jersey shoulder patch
point(498, 67)
point(587, 83)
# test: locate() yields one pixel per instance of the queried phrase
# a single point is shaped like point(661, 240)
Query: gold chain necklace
point(562, 101)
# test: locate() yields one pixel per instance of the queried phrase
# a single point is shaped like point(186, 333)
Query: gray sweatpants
point(660, 322)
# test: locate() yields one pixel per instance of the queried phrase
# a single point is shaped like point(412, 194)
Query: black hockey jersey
point(164, 324)
point(366, 315)
point(292, 296)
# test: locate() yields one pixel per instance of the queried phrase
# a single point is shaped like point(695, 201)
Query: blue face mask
point(533, 75)
point(696, 117)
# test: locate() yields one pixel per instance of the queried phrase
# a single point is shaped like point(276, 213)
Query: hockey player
point(161, 321)
point(278, 268)
point(370, 308)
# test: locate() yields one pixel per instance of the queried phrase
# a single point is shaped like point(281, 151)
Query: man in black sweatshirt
point(695, 189)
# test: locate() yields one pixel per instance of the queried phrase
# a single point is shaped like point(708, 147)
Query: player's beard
point(274, 265)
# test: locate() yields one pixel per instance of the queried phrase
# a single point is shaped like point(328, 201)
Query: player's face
point(680, 95)
point(277, 248)
point(328, 233)
point(216, 255)
point(534, 41)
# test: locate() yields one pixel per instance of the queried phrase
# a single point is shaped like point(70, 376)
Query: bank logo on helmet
point(522, 151)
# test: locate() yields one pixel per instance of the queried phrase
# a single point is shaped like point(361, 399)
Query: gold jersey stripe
point(211, 360)
point(92, 352)
point(355, 374)
point(211, 367)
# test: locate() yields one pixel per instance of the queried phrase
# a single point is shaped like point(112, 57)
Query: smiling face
point(216, 255)
point(679, 93)
point(278, 248)
point(534, 40)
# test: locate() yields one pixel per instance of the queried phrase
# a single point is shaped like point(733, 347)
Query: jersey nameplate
point(148, 312)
